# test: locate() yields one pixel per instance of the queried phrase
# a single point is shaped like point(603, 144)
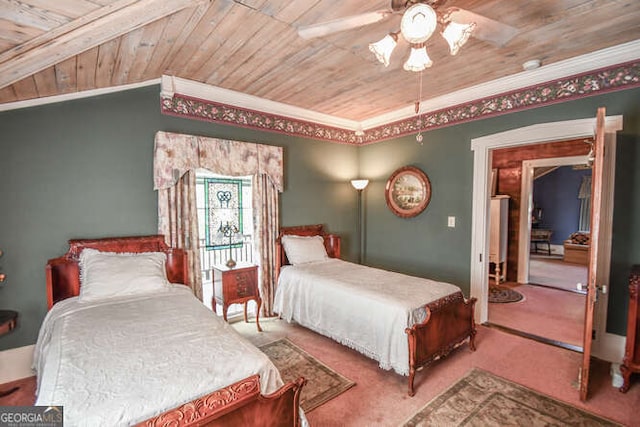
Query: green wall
point(84, 168)
point(425, 246)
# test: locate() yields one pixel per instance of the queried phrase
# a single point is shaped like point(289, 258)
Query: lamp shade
point(359, 184)
point(418, 59)
point(457, 35)
point(383, 49)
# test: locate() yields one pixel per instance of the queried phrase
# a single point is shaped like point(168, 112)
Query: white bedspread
point(364, 308)
point(124, 360)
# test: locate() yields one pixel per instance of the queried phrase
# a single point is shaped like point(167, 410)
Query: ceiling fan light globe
point(457, 35)
point(418, 60)
point(418, 23)
point(383, 48)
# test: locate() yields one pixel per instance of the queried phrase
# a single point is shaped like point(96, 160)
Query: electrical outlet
point(451, 222)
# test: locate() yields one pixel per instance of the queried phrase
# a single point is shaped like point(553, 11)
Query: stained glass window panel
point(223, 213)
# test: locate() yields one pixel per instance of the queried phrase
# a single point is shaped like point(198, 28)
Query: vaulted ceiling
point(54, 47)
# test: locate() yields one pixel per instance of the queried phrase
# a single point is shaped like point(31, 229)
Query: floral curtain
point(178, 222)
point(267, 226)
point(177, 154)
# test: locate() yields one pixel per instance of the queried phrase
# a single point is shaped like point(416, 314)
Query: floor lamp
point(360, 185)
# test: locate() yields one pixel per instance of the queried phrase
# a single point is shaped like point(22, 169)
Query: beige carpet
point(323, 383)
point(380, 397)
point(551, 271)
point(483, 399)
point(550, 313)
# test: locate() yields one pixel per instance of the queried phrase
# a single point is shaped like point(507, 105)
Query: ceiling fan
point(420, 19)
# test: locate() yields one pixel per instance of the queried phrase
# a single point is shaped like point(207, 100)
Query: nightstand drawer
point(241, 284)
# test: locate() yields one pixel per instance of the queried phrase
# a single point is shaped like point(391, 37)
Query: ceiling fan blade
point(486, 29)
point(342, 24)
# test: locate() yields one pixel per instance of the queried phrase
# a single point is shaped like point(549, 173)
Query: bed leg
point(472, 340)
point(412, 374)
point(471, 303)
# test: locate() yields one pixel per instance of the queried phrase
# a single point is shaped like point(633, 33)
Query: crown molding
point(603, 58)
point(613, 78)
point(171, 85)
point(619, 54)
point(610, 79)
point(566, 80)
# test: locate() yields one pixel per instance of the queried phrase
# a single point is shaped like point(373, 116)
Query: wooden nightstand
point(8, 321)
point(237, 285)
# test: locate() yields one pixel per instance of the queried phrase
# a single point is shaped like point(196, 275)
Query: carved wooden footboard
point(448, 323)
point(239, 404)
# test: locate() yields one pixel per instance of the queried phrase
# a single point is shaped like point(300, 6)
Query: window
point(224, 211)
point(225, 223)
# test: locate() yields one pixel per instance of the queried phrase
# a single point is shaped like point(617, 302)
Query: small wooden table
point(237, 285)
point(8, 322)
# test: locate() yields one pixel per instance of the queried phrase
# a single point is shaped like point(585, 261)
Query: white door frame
point(526, 206)
point(481, 147)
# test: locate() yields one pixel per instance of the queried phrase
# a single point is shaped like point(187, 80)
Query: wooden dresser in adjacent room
point(498, 236)
point(631, 361)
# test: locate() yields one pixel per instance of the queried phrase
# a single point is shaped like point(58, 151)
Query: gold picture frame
point(408, 192)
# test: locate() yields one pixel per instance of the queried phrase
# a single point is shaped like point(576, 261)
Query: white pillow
point(304, 249)
point(111, 274)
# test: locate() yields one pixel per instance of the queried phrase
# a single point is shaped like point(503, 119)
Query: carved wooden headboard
point(63, 273)
point(331, 242)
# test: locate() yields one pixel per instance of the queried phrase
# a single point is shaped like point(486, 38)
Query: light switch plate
point(451, 222)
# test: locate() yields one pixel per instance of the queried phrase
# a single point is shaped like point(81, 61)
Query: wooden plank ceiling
point(52, 47)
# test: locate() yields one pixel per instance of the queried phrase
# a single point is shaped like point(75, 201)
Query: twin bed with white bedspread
point(403, 322)
point(122, 345)
point(358, 306)
point(127, 359)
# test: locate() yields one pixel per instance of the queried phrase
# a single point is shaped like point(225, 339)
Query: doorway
point(554, 219)
point(560, 218)
point(605, 346)
point(545, 208)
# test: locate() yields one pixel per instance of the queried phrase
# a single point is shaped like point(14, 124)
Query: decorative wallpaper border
point(613, 78)
point(199, 109)
point(617, 77)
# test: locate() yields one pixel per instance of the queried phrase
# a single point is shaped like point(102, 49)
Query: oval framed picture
point(408, 192)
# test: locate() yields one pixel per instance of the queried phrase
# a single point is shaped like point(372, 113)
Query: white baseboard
point(15, 363)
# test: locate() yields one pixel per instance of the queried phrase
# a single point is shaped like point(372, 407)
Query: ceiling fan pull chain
point(419, 136)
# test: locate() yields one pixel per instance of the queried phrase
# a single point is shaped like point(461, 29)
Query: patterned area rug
point(502, 295)
point(323, 383)
point(483, 399)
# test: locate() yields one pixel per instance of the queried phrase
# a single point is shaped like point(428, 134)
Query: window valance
point(175, 154)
